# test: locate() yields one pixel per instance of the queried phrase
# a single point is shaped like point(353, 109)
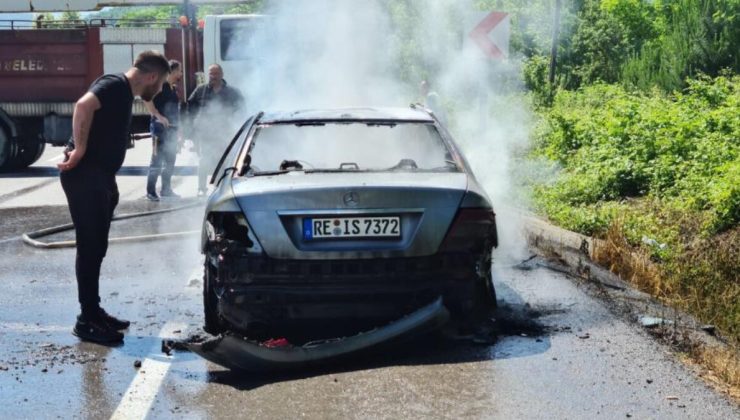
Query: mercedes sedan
point(328, 222)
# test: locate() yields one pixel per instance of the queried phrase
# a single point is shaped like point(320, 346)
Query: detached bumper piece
point(243, 354)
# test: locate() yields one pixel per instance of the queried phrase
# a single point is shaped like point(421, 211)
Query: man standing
point(100, 129)
point(213, 105)
point(165, 112)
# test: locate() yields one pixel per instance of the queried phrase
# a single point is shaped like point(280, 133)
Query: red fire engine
point(46, 66)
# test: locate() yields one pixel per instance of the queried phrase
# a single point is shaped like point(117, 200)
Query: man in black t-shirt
point(165, 112)
point(100, 129)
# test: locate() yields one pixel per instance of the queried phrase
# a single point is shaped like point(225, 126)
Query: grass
point(658, 178)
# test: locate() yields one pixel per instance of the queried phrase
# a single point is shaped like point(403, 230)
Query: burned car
point(327, 222)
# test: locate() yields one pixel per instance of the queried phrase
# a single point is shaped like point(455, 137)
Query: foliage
point(643, 43)
point(169, 13)
point(697, 36)
point(615, 145)
point(63, 20)
point(254, 6)
point(657, 175)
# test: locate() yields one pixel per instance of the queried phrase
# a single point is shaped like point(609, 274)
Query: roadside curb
point(575, 253)
point(572, 253)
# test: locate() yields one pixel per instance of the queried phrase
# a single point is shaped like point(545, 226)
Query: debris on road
point(652, 322)
point(709, 329)
point(137, 363)
point(242, 353)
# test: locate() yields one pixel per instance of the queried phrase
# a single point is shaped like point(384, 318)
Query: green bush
point(613, 145)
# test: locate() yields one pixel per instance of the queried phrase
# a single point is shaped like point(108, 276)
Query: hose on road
point(30, 238)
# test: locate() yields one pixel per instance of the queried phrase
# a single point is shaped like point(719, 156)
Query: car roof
point(349, 114)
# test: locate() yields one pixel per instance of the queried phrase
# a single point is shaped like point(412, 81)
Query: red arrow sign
point(479, 34)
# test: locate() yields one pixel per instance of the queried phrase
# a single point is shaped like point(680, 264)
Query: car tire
point(489, 292)
point(485, 295)
point(212, 324)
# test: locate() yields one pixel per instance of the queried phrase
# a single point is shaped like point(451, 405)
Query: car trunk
point(350, 215)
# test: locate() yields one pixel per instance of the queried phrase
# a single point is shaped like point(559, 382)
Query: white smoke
point(318, 54)
point(339, 53)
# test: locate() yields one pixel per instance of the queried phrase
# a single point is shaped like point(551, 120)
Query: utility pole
point(555, 36)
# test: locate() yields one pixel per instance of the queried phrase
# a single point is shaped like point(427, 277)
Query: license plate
point(351, 227)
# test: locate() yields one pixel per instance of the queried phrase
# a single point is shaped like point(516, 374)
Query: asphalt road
point(560, 352)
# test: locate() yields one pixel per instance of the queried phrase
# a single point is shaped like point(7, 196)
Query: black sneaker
point(152, 197)
point(96, 330)
point(113, 322)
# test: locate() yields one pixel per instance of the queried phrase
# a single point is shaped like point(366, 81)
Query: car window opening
point(349, 146)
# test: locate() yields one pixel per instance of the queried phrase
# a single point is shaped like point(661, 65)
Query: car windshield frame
point(452, 161)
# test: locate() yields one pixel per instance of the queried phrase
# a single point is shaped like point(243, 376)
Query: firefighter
point(165, 112)
point(214, 105)
point(100, 129)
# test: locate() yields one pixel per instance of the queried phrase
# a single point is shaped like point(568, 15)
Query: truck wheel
point(5, 150)
point(213, 323)
point(28, 153)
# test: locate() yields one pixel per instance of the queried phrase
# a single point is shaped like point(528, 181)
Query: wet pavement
point(560, 353)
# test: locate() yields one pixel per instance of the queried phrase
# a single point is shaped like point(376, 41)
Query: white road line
point(60, 157)
point(32, 328)
point(138, 399)
point(139, 396)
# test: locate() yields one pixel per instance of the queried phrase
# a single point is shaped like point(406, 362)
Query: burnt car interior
point(314, 147)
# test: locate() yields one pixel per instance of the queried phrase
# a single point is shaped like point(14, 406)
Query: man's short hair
point(174, 65)
point(152, 62)
point(216, 65)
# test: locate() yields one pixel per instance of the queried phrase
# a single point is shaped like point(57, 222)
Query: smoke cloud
point(335, 53)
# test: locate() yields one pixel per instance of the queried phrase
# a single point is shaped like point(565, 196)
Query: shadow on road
point(515, 333)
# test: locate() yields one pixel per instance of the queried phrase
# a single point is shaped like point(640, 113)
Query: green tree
point(700, 36)
point(71, 16)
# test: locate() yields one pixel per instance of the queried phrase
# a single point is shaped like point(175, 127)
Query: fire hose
point(31, 238)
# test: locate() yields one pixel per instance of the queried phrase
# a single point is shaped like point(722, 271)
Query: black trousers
point(164, 154)
point(92, 196)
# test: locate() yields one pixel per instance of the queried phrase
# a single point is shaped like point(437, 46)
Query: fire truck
point(46, 66)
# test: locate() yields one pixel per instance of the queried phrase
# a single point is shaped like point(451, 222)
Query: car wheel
point(485, 294)
point(213, 323)
point(489, 292)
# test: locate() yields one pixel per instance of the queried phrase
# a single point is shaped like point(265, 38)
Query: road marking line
point(140, 395)
point(32, 328)
point(56, 158)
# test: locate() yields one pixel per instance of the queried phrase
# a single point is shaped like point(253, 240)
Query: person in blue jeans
point(165, 116)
